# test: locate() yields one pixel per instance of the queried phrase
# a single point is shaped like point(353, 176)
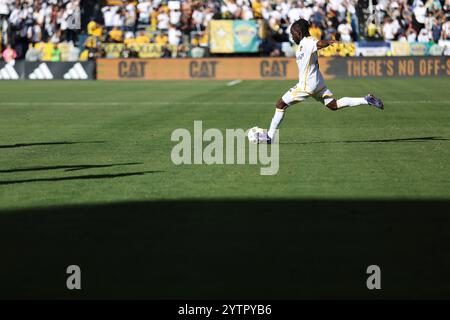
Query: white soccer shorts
point(295, 95)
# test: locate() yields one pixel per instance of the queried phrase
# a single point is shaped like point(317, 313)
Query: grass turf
point(101, 151)
point(100, 142)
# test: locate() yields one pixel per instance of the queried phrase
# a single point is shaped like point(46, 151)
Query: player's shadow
point(32, 144)
point(413, 139)
point(85, 177)
point(192, 249)
point(75, 167)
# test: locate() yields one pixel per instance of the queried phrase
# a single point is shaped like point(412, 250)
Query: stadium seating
point(155, 28)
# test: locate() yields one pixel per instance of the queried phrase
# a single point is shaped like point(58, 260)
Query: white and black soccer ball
point(253, 134)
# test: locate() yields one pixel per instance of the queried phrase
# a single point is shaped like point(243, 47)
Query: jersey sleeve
point(312, 43)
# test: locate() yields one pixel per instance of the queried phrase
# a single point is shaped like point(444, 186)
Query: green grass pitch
point(86, 178)
point(99, 142)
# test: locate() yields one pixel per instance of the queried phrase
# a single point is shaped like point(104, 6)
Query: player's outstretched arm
point(325, 43)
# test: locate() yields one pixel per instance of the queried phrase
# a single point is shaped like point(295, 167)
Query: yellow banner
point(144, 50)
point(113, 50)
point(221, 36)
point(148, 50)
point(400, 48)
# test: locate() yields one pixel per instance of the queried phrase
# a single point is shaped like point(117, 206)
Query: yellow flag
point(221, 36)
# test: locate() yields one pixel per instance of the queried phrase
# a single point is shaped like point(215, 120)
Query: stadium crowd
point(182, 26)
point(25, 22)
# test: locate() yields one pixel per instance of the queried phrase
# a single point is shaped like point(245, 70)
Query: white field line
point(144, 103)
point(233, 83)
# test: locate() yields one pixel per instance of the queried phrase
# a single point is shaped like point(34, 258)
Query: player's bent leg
point(332, 105)
point(353, 102)
point(350, 102)
point(292, 96)
point(281, 104)
point(280, 107)
point(325, 96)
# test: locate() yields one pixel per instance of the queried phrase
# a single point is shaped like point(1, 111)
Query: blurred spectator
point(197, 52)
point(130, 16)
point(345, 31)
point(4, 9)
point(257, 8)
point(424, 36)
point(372, 32)
point(402, 37)
point(315, 31)
point(330, 32)
point(174, 35)
point(166, 53)
point(229, 10)
point(445, 34)
point(184, 24)
point(33, 21)
point(144, 9)
point(142, 38)
point(9, 54)
point(389, 30)
point(129, 39)
point(436, 30)
point(420, 12)
point(73, 53)
point(56, 54)
point(94, 29)
point(116, 35)
point(175, 16)
point(162, 38)
point(108, 16)
point(70, 20)
point(33, 54)
point(411, 35)
point(163, 19)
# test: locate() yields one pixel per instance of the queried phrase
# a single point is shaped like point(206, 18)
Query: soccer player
point(311, 83)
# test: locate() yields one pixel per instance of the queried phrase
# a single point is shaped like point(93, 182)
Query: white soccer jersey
point(309, 77)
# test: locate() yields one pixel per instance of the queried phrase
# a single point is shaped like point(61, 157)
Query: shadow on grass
point(75, 167)
point(228, 249)
point(32, 144)
point(85, 177)
point(415, 139)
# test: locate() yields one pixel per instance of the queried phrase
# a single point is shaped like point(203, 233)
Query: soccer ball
point(253, 134)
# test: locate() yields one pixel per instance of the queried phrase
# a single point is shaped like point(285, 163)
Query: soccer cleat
point(263, 137)
point(371, 100)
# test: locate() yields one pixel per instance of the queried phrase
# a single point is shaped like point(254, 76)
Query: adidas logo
point(77, 72)
point(42, 72)
point(8, 72)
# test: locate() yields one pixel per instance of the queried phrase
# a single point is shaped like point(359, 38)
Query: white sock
point(276, 120)
point(350, 102)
